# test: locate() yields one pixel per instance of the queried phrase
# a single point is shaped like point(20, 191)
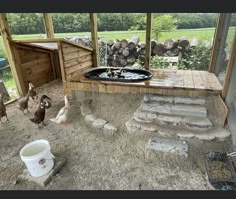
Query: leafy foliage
point(163, 23)
point(159, 62)
point(197, 59)
point(31, 23)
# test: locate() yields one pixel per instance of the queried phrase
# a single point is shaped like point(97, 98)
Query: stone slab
point(190, 100)
point(218, 134)
point(156, 108)
point(157, 98)
point(45, 179)
point(168, 146)
point(195, 123)
point(189, 110)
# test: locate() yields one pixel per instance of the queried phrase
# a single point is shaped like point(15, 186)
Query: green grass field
point(202, 34)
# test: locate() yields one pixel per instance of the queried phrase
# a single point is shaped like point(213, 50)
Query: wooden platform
point(164, 82)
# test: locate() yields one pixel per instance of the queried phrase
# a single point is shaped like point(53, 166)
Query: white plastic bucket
point(37, 157)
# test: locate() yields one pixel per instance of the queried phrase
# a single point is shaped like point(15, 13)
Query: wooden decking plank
point(197, 79)
point(179, 82)
point(188, 80)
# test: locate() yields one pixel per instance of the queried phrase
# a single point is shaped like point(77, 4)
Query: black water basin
point(118, 74)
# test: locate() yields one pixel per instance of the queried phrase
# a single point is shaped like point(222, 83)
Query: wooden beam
point(216, 42)
point(229, 68)
point(93, 23)
point(61, 60)
point(48, 24)
point(9, 47)
point(148, 40)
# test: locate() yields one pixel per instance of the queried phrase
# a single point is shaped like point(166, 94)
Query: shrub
point(159, 62)
point(197, 59)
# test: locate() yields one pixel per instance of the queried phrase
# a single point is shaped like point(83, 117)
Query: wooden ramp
point(163, 82)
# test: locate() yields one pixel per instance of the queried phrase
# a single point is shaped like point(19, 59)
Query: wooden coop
point(43, 60)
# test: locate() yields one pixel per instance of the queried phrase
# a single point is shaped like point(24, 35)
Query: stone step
point(157, 98)
point(190, 100)
point(194, 123)
point(175, 100)
point(189, 110)
point(134, 126)
point(168, 146)
point(221, 134)
point(181, 110)
point(145, 117)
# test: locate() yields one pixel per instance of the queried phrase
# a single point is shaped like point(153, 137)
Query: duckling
point(3, 112)
point(62, 114)
point(23, 103)
point(39, 115)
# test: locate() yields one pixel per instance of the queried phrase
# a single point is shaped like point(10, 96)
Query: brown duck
point(31, 91)
point(3, 112)
point(23, 103)
point(39, 115)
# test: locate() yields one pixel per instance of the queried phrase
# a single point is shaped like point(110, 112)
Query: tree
point(163, 23)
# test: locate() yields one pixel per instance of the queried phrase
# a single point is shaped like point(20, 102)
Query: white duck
point(61, 117)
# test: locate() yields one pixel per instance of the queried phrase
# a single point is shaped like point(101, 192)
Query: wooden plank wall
point(36, 65)
point(75, 59)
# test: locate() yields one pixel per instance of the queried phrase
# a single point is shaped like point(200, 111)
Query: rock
point(90, 118)
point(109, 129)
point(168, 146)
point(140, 116)
point(99, 123)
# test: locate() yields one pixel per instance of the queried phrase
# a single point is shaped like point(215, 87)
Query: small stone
point(109, 129)
point(90, 118)
point(99, 123)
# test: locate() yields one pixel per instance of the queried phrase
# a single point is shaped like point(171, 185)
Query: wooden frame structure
point(86, 54)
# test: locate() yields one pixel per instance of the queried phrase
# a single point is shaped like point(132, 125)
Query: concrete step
point(181, 110)
point(194, 123)
point(168, 146)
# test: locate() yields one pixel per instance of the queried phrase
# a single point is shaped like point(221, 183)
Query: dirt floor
point(96, 161)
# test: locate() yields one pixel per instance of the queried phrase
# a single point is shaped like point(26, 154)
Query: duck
point(23, 103)
point(39, 114)
point(3, 112)
point(61, 117)
point(31, 91)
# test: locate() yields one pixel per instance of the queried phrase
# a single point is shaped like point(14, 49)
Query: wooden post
point(148, 40)
point(221, 54)
point(7, 40)
point(229, 68)
point(48, 24)
point(216, 42)
point(93, 23)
